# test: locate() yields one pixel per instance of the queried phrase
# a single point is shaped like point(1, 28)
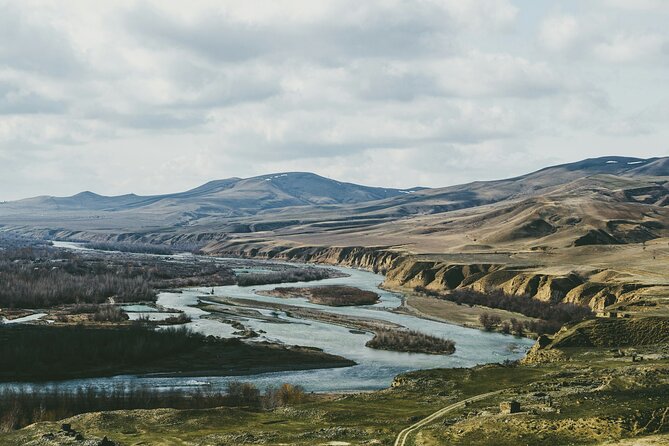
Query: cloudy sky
point(155, 97)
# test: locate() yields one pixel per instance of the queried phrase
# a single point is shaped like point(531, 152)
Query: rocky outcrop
point(403, 270)
point(377, 259)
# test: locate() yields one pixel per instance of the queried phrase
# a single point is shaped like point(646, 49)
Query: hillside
point(593, 232)
point(228, 197)
point(306, 202)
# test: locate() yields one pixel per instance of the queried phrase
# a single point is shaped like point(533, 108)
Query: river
point(375, 369)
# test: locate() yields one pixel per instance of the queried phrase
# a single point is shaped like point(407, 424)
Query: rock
point(106, 442)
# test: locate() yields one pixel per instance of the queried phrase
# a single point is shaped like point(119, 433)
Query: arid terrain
point(575, 255)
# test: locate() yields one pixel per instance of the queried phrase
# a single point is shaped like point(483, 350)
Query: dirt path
point(404, 435)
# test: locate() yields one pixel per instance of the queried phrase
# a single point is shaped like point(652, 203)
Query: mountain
point(228, 197)
point(593, 233)
point(599, 200)
point(536, 183)
point(612, 200)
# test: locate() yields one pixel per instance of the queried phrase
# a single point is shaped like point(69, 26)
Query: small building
point(509, 407)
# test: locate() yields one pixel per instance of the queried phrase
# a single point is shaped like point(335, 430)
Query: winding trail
point(404, 435)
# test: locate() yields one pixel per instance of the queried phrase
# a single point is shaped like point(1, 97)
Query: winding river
point(375, 369)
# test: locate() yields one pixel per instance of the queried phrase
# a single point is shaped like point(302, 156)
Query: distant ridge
point(228, 196)
point(539, 205)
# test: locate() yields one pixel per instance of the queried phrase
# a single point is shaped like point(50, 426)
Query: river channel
point(375, 369)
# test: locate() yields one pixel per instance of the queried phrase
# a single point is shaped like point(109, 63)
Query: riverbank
point(411, 341)
point(340, 331)
point(46, 353)
point(624, 278)
point(329, 295)
point(426, 307)
point(594, 398)
point(245, 305)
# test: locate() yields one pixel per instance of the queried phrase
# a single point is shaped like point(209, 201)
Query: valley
point(571, 260)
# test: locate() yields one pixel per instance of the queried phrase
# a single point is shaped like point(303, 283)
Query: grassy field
point(593, 398)
point(465, 315)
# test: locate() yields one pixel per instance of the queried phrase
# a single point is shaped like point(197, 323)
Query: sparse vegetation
point(142, 248)
point(552, 315)
point(332, 295)
point(182, 318)
point(20, 407)
point(109, 313)
point(411, 341)
point(287, 276)
point(40, 276)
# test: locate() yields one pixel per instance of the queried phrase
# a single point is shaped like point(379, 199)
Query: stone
point(509, 407)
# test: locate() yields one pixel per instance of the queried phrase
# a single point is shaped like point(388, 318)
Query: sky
point(153, 97)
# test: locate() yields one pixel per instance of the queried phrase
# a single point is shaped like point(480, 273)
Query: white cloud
point(559, 32)
point(629, 48)
point(148, 96)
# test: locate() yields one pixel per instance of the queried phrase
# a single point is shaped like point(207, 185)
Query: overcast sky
point(156, 97)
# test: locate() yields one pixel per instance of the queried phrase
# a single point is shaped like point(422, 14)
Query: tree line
point(41, 277)
point(136, 247)
point(514, 326)
point(20, 406)
point(44, 352)
point(287, 276)
point(556, 313)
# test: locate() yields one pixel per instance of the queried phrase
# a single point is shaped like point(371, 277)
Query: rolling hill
point(546, 204)
point(232, 196)
point(593, 232)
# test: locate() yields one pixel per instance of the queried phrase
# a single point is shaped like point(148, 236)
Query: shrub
point(505, 327)
point(410, 341)
point(182, 318)
point(109, 313)
point(243, 394)
point(143, 248)
point(553, 315)
point(291, 275)
point(489, 321)
point(517, 327)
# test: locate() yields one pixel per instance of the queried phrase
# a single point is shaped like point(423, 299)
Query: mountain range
point(593, 232)
point(609, 199)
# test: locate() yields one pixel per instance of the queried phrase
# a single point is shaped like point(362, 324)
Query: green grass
point(381, 415)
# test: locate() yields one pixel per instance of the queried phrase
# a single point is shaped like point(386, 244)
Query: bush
point(554, 315)
point(243, 394)
point(291, 275)
point(109, 313)
point(182, 318)
point(143, 248)
point(489, 321)
point(410, 341)
point(20, 407)
point(285, 395)
point(517, 327)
